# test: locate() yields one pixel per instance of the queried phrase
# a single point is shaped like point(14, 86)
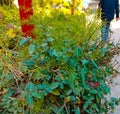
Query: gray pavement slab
point(115, 85)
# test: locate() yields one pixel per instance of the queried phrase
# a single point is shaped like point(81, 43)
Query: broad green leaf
point(72, 98)
point(42, 94)
point(77, 91)
point(81, 50)
point(94, 91)
point(31, 48)
point(104, 50)
point(83, 71)
point(52, 52)
point(29, 63)
point(73, 62)
point(70, 82)
point(23, 41)
point(94, 64)
point(35, 56)
point(87, 87)
point(77, 111)
point(40, 86)
point(61, 85)
point(77, 52)
point(54, 85)
point(56, 92)
point(69, 92)
point(35, 94)
point(29, 100)
point(20, 110)
point(87, 103)
point(11, 109)
point(48, 89)
point(24, 94)
point(50, 39)
point(107, 90)
point(84, 62)
point(91, 98)
point(30, 86)
point(9, 94)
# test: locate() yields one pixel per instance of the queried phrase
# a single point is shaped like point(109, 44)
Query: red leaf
point(97, 84)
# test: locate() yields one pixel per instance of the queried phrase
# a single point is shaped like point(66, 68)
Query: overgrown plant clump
point(9, 27)
point(58, 73)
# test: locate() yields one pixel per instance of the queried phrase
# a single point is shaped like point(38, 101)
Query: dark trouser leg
point(105, 31)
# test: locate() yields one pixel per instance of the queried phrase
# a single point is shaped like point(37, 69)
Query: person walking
point(108, 9)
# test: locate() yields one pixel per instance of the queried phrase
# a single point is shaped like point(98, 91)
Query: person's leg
point(105, 32)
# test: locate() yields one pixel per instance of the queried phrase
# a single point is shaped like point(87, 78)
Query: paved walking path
point(115, 86)
point(115, 26)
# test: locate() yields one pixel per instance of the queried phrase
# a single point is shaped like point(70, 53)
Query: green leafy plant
point(61, 72)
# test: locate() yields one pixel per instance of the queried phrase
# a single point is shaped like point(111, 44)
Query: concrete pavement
point(115, 85)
